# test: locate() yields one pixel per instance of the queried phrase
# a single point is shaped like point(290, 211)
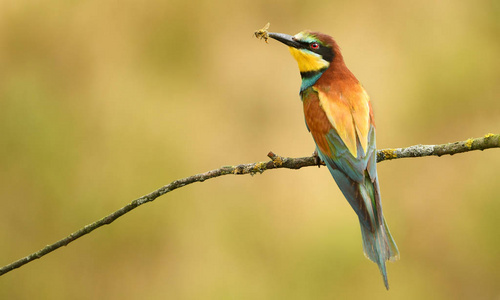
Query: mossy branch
point(276, 162)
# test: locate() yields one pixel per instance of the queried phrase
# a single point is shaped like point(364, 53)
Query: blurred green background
point(104, 101)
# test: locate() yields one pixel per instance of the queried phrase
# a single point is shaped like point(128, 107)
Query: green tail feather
point(379, 246)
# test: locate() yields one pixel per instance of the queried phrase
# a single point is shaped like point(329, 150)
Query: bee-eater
point(339, 116)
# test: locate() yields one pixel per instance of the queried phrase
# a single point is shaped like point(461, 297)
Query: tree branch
point(488, 141)
point(276, 162)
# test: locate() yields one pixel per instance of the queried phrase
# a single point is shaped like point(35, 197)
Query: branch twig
point(276, 162)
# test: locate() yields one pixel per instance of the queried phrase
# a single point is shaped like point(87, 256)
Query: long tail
point(363, 194)
point(379, 246)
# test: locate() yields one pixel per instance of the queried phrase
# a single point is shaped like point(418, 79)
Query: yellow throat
point(308, 61)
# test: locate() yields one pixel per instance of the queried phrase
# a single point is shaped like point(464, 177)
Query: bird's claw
point(317, 160)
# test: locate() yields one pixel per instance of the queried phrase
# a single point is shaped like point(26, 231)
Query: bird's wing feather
point(349, 112)
point(342, 129)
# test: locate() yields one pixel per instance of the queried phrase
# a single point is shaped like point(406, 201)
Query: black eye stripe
point(303, 44)
point(325, 52)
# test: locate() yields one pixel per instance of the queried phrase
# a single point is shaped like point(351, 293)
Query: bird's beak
point(285, 39)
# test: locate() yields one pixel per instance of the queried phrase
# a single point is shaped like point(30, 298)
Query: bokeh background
point(104, 101)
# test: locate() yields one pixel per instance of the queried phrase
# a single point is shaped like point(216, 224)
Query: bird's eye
point(314, 46)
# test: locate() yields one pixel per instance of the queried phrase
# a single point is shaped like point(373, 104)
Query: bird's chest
point(316, 119)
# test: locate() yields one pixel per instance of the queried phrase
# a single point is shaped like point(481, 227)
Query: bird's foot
point(317, 160)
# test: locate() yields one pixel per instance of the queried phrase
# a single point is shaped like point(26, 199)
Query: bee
point(262, 33)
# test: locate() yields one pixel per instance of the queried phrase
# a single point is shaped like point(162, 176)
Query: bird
point(339, 116)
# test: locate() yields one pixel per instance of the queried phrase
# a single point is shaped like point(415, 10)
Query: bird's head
point(313, 51)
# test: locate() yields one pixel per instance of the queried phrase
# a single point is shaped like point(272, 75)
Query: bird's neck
point(309, 78)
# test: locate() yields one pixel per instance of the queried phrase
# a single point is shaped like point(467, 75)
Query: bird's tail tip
point(383, 270)
point(379, 246)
